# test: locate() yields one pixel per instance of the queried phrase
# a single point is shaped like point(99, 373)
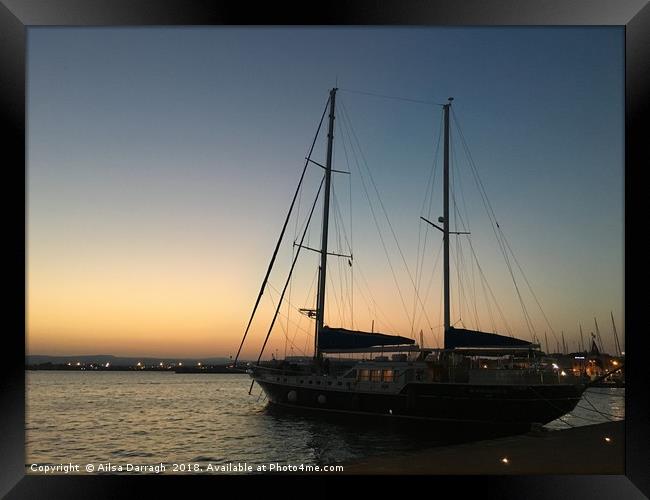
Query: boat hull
point(514, 406)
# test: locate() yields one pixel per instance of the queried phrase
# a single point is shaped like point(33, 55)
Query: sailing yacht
point(477, 379)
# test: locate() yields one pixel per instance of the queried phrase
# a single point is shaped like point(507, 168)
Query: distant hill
point(122, 361)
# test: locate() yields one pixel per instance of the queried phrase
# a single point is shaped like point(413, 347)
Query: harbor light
point(563, 373)
point(199, 363)
point(555, 366)
point(78, 364)
point(107, 365)
point(615, 363)
point(608, 439)
point(505, 460)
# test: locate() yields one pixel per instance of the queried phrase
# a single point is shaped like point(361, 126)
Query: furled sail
point(460, 337)
point(340, 338)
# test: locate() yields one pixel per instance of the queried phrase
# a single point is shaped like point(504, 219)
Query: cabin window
point(364, 375)
point(375, 376)
point(387, 376)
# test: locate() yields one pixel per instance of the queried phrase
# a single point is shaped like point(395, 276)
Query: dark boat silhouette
point(478, 381)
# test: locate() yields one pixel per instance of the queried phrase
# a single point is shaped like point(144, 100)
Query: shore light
point(505, 460)
point(608, 439)
point(555, 366)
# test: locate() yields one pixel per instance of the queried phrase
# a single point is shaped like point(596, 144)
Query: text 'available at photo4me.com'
point(174, 468)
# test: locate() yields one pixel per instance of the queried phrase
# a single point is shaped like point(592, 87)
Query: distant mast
point(618, 346)
point(320, 308)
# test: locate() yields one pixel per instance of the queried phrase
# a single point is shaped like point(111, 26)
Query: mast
point(546, 339)
point(618, 346)
point(320, 309)
point(582, 340)
point(445, 217)
point(600, 341)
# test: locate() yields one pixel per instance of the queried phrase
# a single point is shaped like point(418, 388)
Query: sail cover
point(460, 337)
point(340, 338)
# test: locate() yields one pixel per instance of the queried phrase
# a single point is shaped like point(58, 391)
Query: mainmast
point(322, 275)
point(445, 218)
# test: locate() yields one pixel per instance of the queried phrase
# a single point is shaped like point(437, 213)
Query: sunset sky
point(162, 161)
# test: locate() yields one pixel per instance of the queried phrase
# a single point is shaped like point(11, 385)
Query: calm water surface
point(151, 417)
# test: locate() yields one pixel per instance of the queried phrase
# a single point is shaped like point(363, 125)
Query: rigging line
point(421, 250)
point(419, 101)
point(372, 299)
point(343, 276)
point(306, 301)
point(606, 394)
point(286, 334)
point(493, 222)
point(336, 300)
point(365, 162)
point(601, 413)
point(381, 238)
point(433, 270)
point(338, 261)
point(530, 288)
point(496, 303)
point(551, 404)
point(351, 251)
point(350, 245)
point(268, 334)
point(460, 260)
point(597, 410)
point(284, 227)
point(459, 180)
point(456, 181)
point(286, 300)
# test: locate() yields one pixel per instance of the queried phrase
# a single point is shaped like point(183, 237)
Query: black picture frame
point(17, 15)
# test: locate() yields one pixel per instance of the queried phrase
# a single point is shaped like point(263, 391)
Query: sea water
point(148, 418)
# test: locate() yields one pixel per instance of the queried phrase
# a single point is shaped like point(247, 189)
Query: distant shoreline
point(91, 367)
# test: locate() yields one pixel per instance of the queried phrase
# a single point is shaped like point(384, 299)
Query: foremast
point(322, 274)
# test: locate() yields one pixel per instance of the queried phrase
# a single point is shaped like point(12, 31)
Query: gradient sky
point(161, 163)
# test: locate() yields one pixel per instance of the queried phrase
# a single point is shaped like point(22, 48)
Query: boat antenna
point(322, 275)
